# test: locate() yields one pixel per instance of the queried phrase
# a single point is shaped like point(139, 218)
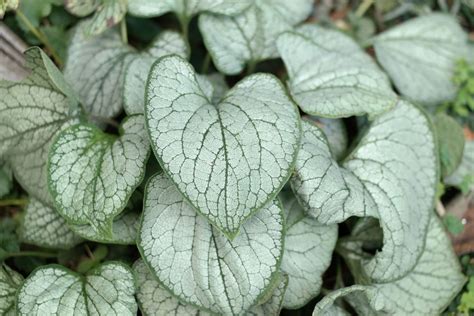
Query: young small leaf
point(43, 226)
point(81, 8)
point(10, 281)
point(250, 36)
point(229, 159)
point(420, 55)
point(96, 69)
point(167, 43)
point(331, 76)
point(197, 263)
point(185, 9)
point(108, 13)
point(55, 290)
point(92, 174)
point(465, 170)
point(391, 175)
point(308, 252)
point(425, 290)
point(32, 112)
point(450, 143)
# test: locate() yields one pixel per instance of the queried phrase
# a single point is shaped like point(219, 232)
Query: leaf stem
point(184, 22)
point(41, 37)
point(205, 64)
point(251, 67)
point(106, 120)
point(363, 7)
point(123, 31)
point(13, 202)
point(32, 254)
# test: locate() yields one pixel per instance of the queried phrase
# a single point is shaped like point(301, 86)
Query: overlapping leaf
point(31, 114)
point(335, 132)
point(107, 13)
point(464, 174)
point(250, 36)
point(391, 175)
point(168, 42)
point(420, 55)
point(54, 290)
point(124, 230)
point(96, 67)
point(185, 9)
point(197, 263)
point(425, 290)
point(153, 299)
point(10, 281)
point(307, 254)
point(228, 159)
point(43, 226)
point(93, 174)
point(331, 76)
point(450, 142)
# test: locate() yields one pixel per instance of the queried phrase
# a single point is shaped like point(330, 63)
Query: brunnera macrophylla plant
point(241, 216)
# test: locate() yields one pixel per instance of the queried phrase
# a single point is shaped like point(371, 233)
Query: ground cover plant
point(235, 157)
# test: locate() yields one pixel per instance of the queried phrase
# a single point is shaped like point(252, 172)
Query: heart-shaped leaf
point(95, 67)
point(92, 174)
point(197, 263)
point(32, 112)
point(185, 9)
point(308, 253)
point(55, 290)
point(231, 158)
point(391, 175)
point(250, 36)
point(43, 226)
point(10, 281)
point(420, 55)
point(167, 43)
point(425, 290)
point(331, 76)
point(153, 299)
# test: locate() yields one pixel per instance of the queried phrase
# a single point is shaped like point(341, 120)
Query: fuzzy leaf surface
point(426, 290)
point(235, 41)
point(96, 67)
point(93, 174)
point(308, 253)
point(420, 55)
point(186, 9)
point(55, 290)
point(10, 281)
point(331, 76)
point(391, 175)
point(197, 263)
point(32, 112)
point(43, 226)
point(229, 159)
point(167, 43)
